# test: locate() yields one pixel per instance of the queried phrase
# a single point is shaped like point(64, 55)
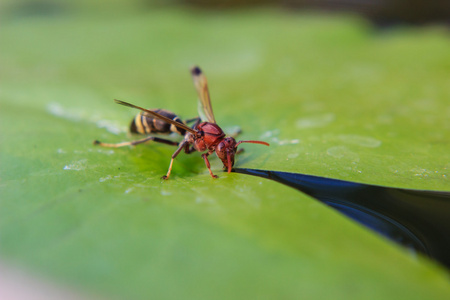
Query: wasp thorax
point(226, 150)
point(209, 135)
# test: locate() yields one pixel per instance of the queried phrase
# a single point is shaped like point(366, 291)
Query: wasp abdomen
point(144, 123)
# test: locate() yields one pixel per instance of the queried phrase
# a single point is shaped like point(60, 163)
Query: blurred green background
point(335, 94)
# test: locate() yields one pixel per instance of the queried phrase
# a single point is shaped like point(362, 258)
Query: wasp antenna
point(125, 103)
point(253, 142)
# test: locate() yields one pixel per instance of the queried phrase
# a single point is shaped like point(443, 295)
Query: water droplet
point(292, 155)
point(103, 179)
point(315, 121)
point(342, 152)
point(76, 166)
point(359, 140)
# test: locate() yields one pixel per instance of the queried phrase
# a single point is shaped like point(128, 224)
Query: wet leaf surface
point(332, 97)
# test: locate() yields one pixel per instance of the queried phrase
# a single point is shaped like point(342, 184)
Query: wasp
point(204, 135)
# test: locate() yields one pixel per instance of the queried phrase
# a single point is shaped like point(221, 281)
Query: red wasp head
point(226, 150)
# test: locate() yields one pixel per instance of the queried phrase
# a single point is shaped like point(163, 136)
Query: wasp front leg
point(208, 165)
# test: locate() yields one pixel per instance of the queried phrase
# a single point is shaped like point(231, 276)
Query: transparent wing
point(204, 105)
point(156, 115)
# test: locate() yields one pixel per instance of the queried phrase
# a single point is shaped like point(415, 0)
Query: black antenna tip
point(196, 71)
point(121, 102)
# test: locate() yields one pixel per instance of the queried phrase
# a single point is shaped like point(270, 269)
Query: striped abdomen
point(145, 123)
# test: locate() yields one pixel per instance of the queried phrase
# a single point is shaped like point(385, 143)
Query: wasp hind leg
point(137, 142)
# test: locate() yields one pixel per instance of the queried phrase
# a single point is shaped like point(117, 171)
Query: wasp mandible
point(204, 135)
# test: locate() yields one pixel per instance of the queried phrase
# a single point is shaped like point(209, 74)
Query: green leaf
point(333, 97)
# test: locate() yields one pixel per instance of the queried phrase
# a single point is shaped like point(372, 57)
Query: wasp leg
point(133, 143)
point(205, 157)
point(235, 132)
point(182, 146)
point(197, 119)
point(240, 151)
point(188, 150)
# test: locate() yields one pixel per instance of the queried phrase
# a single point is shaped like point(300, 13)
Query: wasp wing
point(158, 116)
point(204, 105)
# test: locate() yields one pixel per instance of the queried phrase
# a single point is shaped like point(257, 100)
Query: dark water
point(417, 219)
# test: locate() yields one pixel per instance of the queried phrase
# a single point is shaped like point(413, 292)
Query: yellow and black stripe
point(144, 123)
